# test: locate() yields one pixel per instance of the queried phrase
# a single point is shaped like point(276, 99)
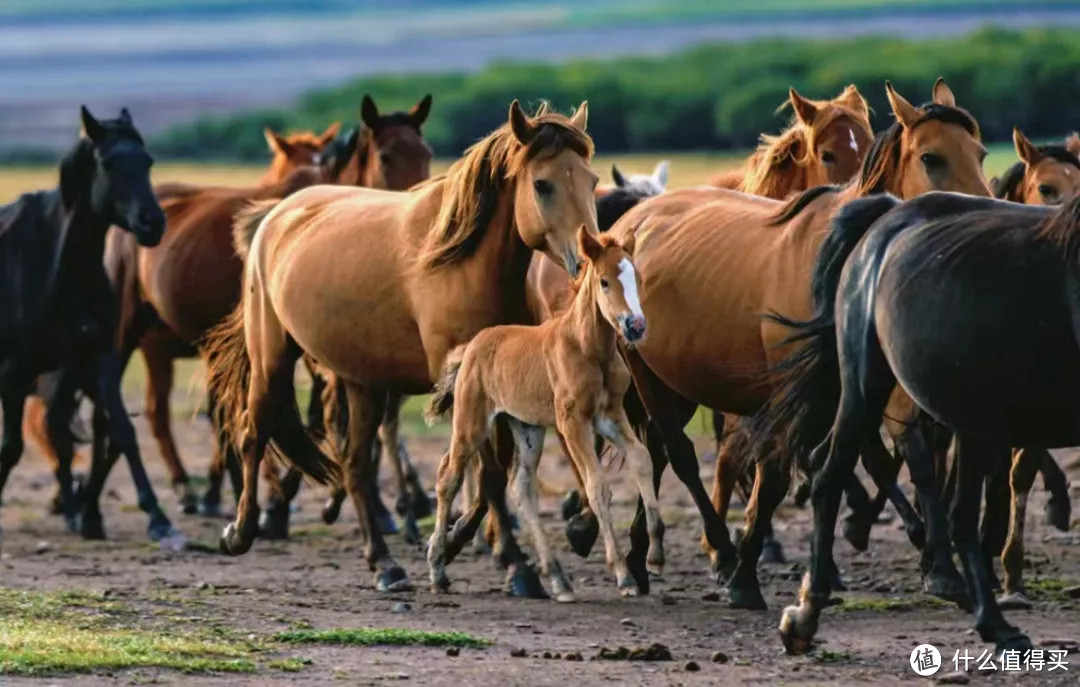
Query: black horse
point(972, 306)
point(58, 313)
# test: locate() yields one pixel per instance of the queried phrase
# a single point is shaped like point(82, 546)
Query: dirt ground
point(317, 580)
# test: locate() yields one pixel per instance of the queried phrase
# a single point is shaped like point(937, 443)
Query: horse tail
point(246, 222)
point(807, 383)
point(443, 398)
point(228, 378)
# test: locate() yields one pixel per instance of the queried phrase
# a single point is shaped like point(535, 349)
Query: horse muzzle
point(632, 328)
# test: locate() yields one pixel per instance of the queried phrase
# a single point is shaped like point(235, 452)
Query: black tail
point(807, 383)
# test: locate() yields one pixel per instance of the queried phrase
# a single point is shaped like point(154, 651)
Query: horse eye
point(828, 157)
point(1046, 191)
point(544, 187)
point(603, 283)
point(932, 162)
point(384, 159)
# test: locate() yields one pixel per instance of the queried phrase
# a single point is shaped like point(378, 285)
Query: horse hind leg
point(641, 469)
point(13, 402)
point(1025, 465)
point(530, 444)
point(771, 483)
point(1058, 508)
point(410, 494)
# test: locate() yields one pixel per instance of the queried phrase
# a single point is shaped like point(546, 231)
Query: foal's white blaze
point(629, 284)
point(854, 144)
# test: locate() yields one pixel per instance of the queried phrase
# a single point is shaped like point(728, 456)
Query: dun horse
point(578, 389)
point(379, 287)
point(728, 257)
point(58, 312)
point(996, 284)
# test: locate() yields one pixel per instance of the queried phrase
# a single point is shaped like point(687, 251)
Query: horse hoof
point(794, 638)
point(274, 523)
point(639, 571)
point(1058, 514)
point(629, 591)
point(581, 533)
point(857, 531)
point(746, 596)
point(1017, 601)
point(331, 510)
point(565, 597)
point(71, 523)
point(838, 582)
point(232, 543)
point(1018, 642)
point(55, 506)
point(571, 504)
point(421, 505)
point(92, 527)
point(393, 580)
point(385, 523)
point(523, 582)
point(189, 503)
point(772, 552)
point(948, 587)
point(721, 568)
point(411, 533)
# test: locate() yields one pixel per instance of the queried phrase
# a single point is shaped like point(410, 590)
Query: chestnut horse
point(293, 151)
point(825, 144)
point(379, 287)
point(564, 373)
point(172, 294)
point(726, 258)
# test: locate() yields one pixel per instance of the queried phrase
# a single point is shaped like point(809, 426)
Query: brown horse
point(172, 294)
point(1045, 175)
point(825, 144)
point(719, 259)
point(379, 287)
point(577, 387)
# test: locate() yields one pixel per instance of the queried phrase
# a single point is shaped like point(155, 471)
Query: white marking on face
point(854, 143)
point(629, 284)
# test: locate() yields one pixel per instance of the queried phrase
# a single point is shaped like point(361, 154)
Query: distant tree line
point(713, 96)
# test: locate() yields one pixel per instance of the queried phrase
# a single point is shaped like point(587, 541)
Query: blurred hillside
point(172, 61)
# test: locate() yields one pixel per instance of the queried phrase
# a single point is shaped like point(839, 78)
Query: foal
point(578, 389)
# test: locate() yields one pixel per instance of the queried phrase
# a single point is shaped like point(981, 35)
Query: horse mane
point(776, 154)
point(1063, 227)
point(474, 183)
point(1008, 185)
point(881, 160)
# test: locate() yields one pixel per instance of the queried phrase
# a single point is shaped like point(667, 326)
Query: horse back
point(30, 239)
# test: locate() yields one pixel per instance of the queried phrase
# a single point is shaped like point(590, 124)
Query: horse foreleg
point(410, 494)
point(13, 401)
point(159, 378)
point(61, 403)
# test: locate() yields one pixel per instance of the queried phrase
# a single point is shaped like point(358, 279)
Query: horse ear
point(125, 116)
point(581, 116)
point(617, 176)
point(943, 95)
point(329, 134)
point(905, 112)
point(90, 126)
point(805, 110)
point(588, 246)
point(369, 114)
point(660, 173)
point(1027, 152)
point(543, 109)
point(420, 111)
point(1072, 143)
point(854, 100)
point(520, 125)
point(629, 244)
point(276, 142)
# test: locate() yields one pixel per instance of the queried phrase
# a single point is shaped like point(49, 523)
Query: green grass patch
point(826, 656)
point(1048, 588)
point(889, 605)
point(289, 665)
point(371, 636)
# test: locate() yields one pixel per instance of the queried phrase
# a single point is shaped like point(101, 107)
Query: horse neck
point(82, 245)
point(586, 325)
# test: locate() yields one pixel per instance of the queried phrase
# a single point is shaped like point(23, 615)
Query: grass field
point(686, 170)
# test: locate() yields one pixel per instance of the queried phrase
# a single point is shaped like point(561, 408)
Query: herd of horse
point(842, 295)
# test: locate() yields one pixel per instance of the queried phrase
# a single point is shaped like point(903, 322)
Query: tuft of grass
point(889, 605)
point(289, 665)
point(370, 636)
point(1048, 588)
point(76, 632)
